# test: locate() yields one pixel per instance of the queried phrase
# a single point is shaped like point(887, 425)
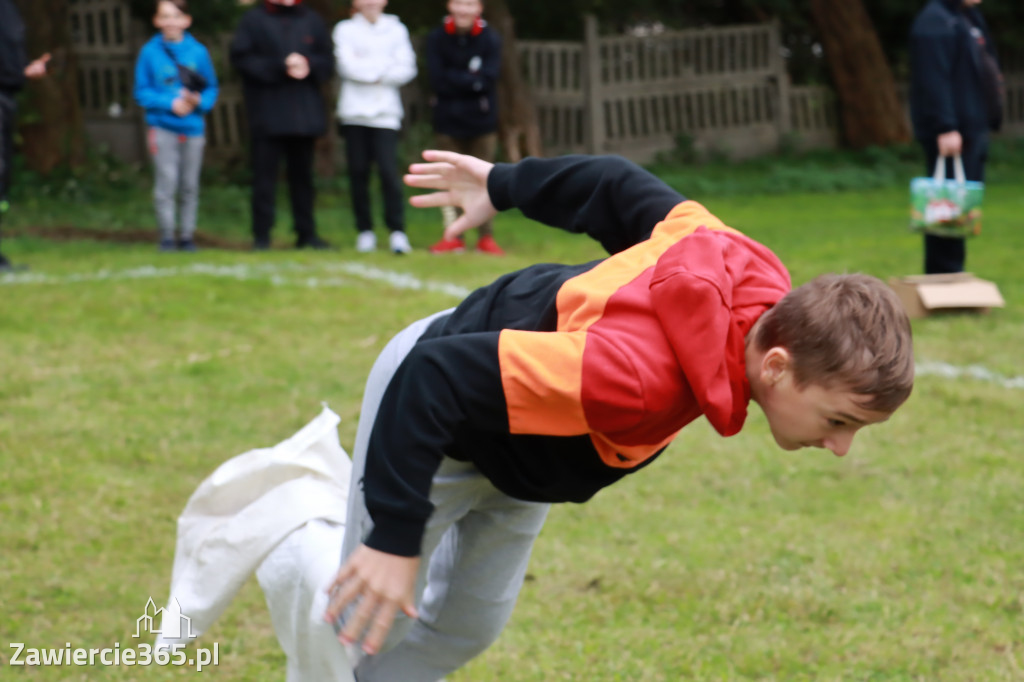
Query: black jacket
point(948, 86)
point(13, 58)
point(465, 101)
point(275, 103)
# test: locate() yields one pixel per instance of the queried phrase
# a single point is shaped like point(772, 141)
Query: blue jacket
point(947, 87)
point(157, 84)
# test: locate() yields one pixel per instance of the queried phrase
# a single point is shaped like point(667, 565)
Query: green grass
point(726, 560)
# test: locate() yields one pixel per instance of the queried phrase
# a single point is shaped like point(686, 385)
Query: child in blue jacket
point(175, 83)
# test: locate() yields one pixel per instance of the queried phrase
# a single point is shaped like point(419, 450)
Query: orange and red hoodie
point(558, 380)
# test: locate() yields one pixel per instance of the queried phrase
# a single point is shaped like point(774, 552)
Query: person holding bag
point(955, 100)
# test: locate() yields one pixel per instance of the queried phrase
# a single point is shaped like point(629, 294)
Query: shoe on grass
point(315, 243)
point(449, 246)
point(167, 245)
point(489, 246)
point(399, 243)
point(187, 245)
point(366, 242)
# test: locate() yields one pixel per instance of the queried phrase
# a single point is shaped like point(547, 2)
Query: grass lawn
point(129, 375)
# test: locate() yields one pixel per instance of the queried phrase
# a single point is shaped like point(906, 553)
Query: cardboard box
point(960, 292)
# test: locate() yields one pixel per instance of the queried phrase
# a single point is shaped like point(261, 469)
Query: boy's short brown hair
point(845, 331)
point(182, 5)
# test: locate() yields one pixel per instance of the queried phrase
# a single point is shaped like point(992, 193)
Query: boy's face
point(465, 12)
point(171, 21)
point(810, 416)
point(371, 9)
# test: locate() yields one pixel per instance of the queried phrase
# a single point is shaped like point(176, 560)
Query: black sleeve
point(249, 58)
point(931, 50)
point(441, 384)
point(614, 201)
point(321, 53)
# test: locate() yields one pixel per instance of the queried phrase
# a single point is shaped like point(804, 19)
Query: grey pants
point(476, 549)
point(177, 160)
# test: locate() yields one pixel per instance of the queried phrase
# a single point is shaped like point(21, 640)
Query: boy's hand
point(182, 107)
point(297, 65)
point(461, 181)
point(37, 69)
point(382, 584)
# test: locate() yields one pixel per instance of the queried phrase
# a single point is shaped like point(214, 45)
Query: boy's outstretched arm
point(608, 198)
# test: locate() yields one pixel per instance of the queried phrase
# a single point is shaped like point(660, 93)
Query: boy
point(174, 113)
point(464, 61)
point(374, 58)
point(15, 69)
point(558, 380)
point(283, 52)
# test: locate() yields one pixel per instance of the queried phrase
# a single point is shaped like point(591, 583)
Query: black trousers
point(948, 254)
point(365, 146)
point(8, 112)
point(266, 157)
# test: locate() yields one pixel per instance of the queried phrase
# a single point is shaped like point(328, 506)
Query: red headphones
point(478, 26)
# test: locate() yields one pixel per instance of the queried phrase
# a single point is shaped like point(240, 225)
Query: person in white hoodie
point(374, 58)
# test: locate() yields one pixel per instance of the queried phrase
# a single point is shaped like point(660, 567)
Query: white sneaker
point(366, 242)
point(400, 243)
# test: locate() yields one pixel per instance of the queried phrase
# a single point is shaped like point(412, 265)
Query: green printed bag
point(947, 208)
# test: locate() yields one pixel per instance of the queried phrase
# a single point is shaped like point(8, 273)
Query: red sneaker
point(487, 244)
point(448, 246)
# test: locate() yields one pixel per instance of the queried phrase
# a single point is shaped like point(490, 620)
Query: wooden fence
point(723, 90)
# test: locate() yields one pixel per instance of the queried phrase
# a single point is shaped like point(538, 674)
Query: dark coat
point(947, 87)
point(13, 58)
point(275, 103)
point(465, 102)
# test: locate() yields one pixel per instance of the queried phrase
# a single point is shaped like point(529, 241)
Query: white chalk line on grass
point(283, 274)
point(976, 372)
point(277, 274)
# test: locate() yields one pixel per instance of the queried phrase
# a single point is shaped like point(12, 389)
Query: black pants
point(363, 147)
point(948, 254)
point(266, 156)
point(8, 111)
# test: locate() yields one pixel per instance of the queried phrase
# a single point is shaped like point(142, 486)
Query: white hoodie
point(373, 60)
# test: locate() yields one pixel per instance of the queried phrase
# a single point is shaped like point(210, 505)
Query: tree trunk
point(517, 115)
point(51, 120)
point(871, 110)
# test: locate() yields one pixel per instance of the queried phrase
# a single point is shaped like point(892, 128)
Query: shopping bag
point(947, 208)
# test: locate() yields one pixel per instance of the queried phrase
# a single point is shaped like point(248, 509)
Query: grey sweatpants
point(476, 549)
point(177, 160)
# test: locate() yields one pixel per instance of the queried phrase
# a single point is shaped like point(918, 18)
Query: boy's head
point(370, 9)
point(172, 19)
point(464, 13)
point(832, 356)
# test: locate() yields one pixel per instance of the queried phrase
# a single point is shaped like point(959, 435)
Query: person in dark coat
point(284, 53)
point(15, 68)
point(464, 62)
point(956, 93)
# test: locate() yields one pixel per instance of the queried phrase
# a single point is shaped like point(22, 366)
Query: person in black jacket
point(284, 53)
point(14, 69)
point(955, 99)
point(464, 61)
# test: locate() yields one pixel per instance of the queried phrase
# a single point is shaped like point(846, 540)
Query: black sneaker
point(167, 245)
point(187, 245)
point(315, 243)
point(261, 245)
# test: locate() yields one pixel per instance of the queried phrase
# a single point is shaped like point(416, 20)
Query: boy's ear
point(774, 364)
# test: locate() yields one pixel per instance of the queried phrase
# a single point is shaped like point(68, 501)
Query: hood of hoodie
point(726, 281)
